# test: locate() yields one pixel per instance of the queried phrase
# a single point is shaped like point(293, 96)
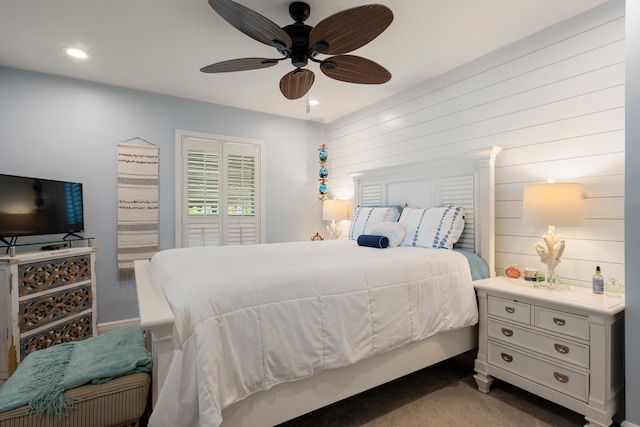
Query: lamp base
point(333, 230)
point(551, 280)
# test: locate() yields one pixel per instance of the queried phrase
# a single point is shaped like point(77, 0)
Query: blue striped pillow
point(439, 227)
point(365, 218)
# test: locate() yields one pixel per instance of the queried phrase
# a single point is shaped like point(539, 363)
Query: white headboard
point(461, 179)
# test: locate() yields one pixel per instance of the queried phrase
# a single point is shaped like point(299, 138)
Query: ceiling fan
point(336, 35)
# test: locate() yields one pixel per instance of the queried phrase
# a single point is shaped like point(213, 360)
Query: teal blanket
point(44, 375)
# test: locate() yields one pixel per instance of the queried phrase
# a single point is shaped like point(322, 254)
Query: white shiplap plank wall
point(555, 103)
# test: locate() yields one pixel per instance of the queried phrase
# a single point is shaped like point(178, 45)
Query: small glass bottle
point(613, 288)
point(598, 282)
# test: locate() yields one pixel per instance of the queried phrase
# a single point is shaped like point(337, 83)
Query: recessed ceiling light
point(314, 102)
point(76, 53)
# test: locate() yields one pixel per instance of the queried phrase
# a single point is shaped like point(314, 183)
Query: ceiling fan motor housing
point(299, 34)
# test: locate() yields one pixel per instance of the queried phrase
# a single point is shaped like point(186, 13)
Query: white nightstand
point(565, 346)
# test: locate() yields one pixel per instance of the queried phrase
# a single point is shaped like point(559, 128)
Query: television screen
point(33, 206)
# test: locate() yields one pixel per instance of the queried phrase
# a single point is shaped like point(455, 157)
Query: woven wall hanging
point(137, 204)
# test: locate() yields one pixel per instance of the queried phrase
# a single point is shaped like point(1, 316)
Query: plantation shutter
point(240, 194)
point(219, 193)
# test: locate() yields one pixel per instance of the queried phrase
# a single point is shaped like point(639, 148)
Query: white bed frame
point(465, 179)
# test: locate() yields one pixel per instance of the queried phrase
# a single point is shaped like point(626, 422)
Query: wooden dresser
point(46, 298)
point(566, 346)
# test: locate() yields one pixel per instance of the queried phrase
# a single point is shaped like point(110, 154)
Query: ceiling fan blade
point(239, 65)
point(354, 69)
point(350, 29)
point(297, 83)
point(252, 23)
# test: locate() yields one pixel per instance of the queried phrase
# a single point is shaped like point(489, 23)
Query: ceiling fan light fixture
point(299, 59)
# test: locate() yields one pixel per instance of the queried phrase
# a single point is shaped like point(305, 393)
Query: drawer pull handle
point(510, 309)
point(562, 349)
point(558, 321)
point(561, 377)
point(507, 358)
point(507, 332)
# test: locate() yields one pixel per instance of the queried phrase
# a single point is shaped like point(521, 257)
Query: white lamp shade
point(553, 204)
point(334, 210)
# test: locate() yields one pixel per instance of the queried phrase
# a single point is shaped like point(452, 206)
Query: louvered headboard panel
point(461, 179)
point(459, 191)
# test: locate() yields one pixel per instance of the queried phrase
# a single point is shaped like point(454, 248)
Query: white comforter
point(250, 317)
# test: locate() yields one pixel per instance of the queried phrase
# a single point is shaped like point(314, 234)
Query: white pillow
point(364, 218)
point(439, 227)
point(391, 230)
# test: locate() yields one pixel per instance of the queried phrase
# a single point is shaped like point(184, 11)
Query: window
point(219, 191)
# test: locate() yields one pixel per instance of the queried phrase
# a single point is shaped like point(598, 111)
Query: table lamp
point(334, 210)
point(551, 205)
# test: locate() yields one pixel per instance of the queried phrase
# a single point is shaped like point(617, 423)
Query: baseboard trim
point(628, 424)
point(106, 327)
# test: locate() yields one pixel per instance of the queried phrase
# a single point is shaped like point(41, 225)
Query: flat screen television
point(36, 206)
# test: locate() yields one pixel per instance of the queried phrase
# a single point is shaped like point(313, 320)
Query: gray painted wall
point(67, 129)
point(632, 212)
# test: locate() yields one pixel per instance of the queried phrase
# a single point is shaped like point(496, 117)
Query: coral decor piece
point(551, 254)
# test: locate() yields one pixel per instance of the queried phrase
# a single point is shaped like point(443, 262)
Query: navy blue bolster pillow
point(373, 241)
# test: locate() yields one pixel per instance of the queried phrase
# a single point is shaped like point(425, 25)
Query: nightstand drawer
point(509, 309)
point(560, 349)
point(565, 380)
point(561, 322)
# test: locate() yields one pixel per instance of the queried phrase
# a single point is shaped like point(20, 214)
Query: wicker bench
point(103, 381)
point(119, 402)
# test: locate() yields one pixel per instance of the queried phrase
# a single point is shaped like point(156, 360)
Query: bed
point(311, 323)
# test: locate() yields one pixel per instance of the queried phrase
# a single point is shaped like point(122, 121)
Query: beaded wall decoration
point(322, 188)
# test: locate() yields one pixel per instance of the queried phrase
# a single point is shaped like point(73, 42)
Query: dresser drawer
point(41, 310)
point(509, 309)
point(565, 350)
point(571, 382)
point(41, 276)
point(561, 322)
point(76, 329)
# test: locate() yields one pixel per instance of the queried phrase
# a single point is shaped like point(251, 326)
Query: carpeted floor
point(442, 395)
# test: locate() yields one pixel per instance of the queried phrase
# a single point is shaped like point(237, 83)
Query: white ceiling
point(160, 45)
